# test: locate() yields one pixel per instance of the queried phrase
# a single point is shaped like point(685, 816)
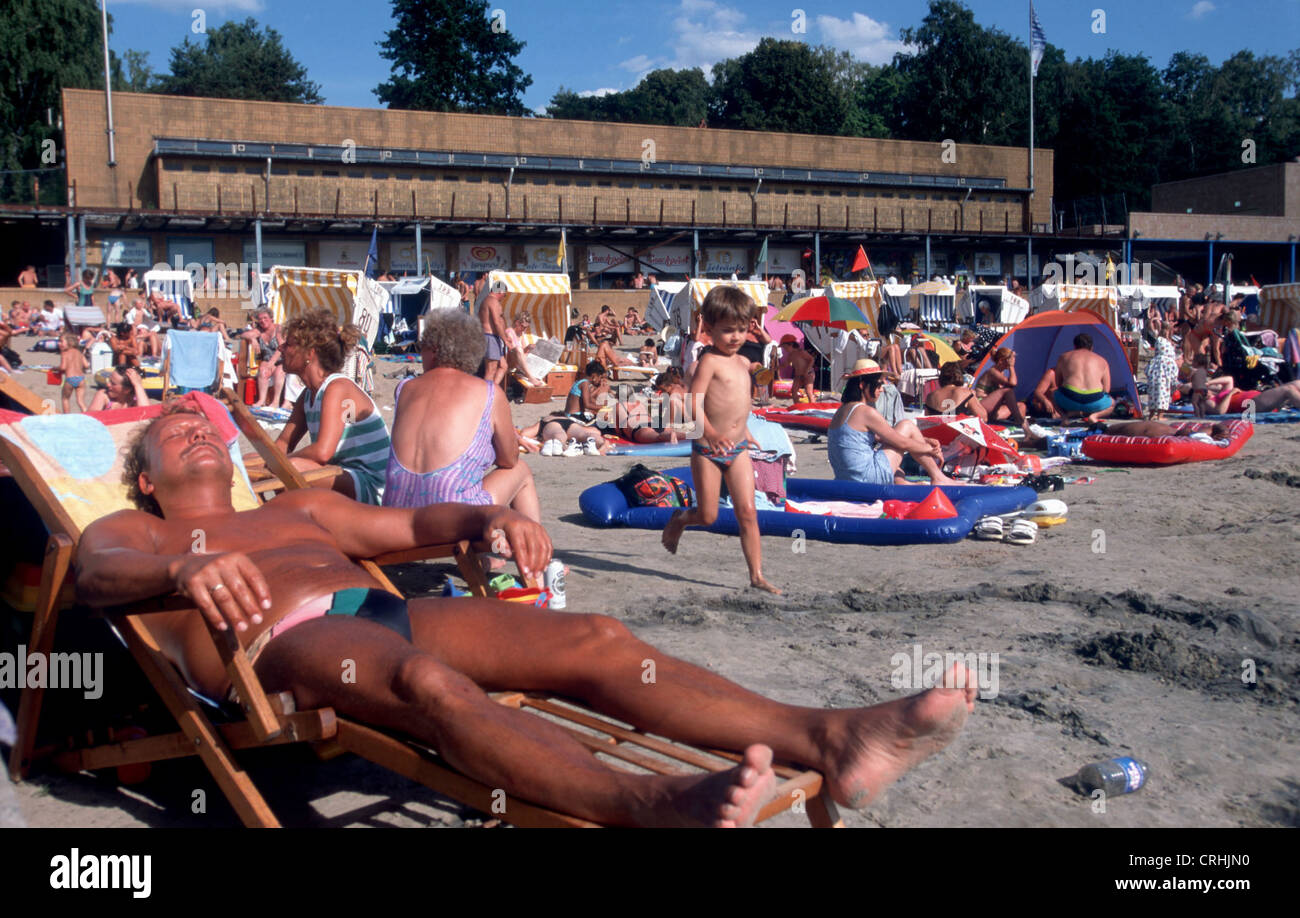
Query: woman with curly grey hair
point(450, 428)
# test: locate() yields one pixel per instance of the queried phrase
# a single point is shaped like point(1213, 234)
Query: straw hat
point(866, 367)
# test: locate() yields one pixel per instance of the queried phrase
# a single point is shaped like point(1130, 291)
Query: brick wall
point(1264, 191)
point(1195, 226)
point(138, 182)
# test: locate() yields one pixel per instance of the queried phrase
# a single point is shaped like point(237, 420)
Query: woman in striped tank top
point(346, 427)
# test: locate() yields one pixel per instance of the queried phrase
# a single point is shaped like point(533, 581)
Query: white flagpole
point(1029, 238)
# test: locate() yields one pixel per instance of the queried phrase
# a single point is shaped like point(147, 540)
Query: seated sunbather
point(346, 427)
point(952, 397)
point(453, 440)
point(516, 350)
point(1041, 404)
point(275, 574)
point(612, 358)
point(117, 389)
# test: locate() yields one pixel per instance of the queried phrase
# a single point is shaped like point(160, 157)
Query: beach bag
point(644, 487)
point(12, 356)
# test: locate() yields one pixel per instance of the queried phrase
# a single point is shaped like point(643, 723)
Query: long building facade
point(238, 184)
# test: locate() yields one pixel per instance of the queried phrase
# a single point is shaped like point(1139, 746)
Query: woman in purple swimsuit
point(450, 428)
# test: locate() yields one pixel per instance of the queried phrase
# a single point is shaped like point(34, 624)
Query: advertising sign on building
point(127, 251)
point(988, 263)
point(669, 260)
point(345, 256)
point(1018, 265)
point(276, 252)
point(541, 257)
point(483, 256)
point(605, 260)
point(726, 262)
point(780, 261)
point(402, 258)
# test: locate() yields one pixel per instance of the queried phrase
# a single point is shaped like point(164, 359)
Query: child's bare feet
point(760, 582)
point(673, 531)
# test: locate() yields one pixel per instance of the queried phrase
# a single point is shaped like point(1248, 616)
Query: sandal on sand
point(1022, 532)
point(989, 529)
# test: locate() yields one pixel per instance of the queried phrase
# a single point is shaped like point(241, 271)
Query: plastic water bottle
point(554, 581)
point(1114, 777)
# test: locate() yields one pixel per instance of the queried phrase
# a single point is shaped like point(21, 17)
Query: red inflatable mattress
point(1167, 450)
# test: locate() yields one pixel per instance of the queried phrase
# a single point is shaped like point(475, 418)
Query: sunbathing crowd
point(448, 469)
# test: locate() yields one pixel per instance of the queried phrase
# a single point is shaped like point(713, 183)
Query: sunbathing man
point(1083, 380)
point(422, 667)
point(1218, 431)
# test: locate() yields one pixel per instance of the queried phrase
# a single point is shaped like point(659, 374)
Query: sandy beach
point(1136, 650)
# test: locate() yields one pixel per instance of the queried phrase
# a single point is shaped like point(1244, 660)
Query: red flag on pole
point(860, 261)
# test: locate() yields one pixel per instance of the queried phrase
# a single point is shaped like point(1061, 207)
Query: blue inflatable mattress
point(606, 505)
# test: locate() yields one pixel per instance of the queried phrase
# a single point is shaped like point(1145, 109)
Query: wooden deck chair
point(24, 399)
point(274, 721)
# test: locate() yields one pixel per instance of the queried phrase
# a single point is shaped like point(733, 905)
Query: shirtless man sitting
point(423, 666)
point(1040, 402)
point(1083, 382)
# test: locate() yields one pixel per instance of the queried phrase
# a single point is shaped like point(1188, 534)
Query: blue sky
point(595, 46)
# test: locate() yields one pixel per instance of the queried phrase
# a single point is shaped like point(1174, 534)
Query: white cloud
point(863, 37)
point(640, 64)
point(597, 93)
point(1201, 8)
point(706, 32)
point(188, 6)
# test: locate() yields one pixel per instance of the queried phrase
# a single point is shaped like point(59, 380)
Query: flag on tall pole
point(372, 256)
point(562, 253)
point(1037, 40)
point(860, 261)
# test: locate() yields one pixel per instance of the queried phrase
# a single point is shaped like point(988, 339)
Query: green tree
point(131, 72)
point(963, 82)
point(779, 86)
point(449, 57)
point(674, 97)
point(238, 62)
point(32, 75)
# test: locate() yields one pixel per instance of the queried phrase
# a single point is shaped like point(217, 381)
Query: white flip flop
point(989, 529)
point(1022, 532)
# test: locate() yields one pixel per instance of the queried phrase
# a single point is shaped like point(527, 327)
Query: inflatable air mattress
point(1166, 450)
point(679, 449)
point(811, 416)
point(605, 505)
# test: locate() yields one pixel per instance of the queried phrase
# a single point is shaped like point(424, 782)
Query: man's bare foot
point(760, 582)
point(673, 531)
point(729, 799)
point(942, 479)
point(882, 742)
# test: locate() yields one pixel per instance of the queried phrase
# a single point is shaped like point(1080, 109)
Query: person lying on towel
point(282, 577)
